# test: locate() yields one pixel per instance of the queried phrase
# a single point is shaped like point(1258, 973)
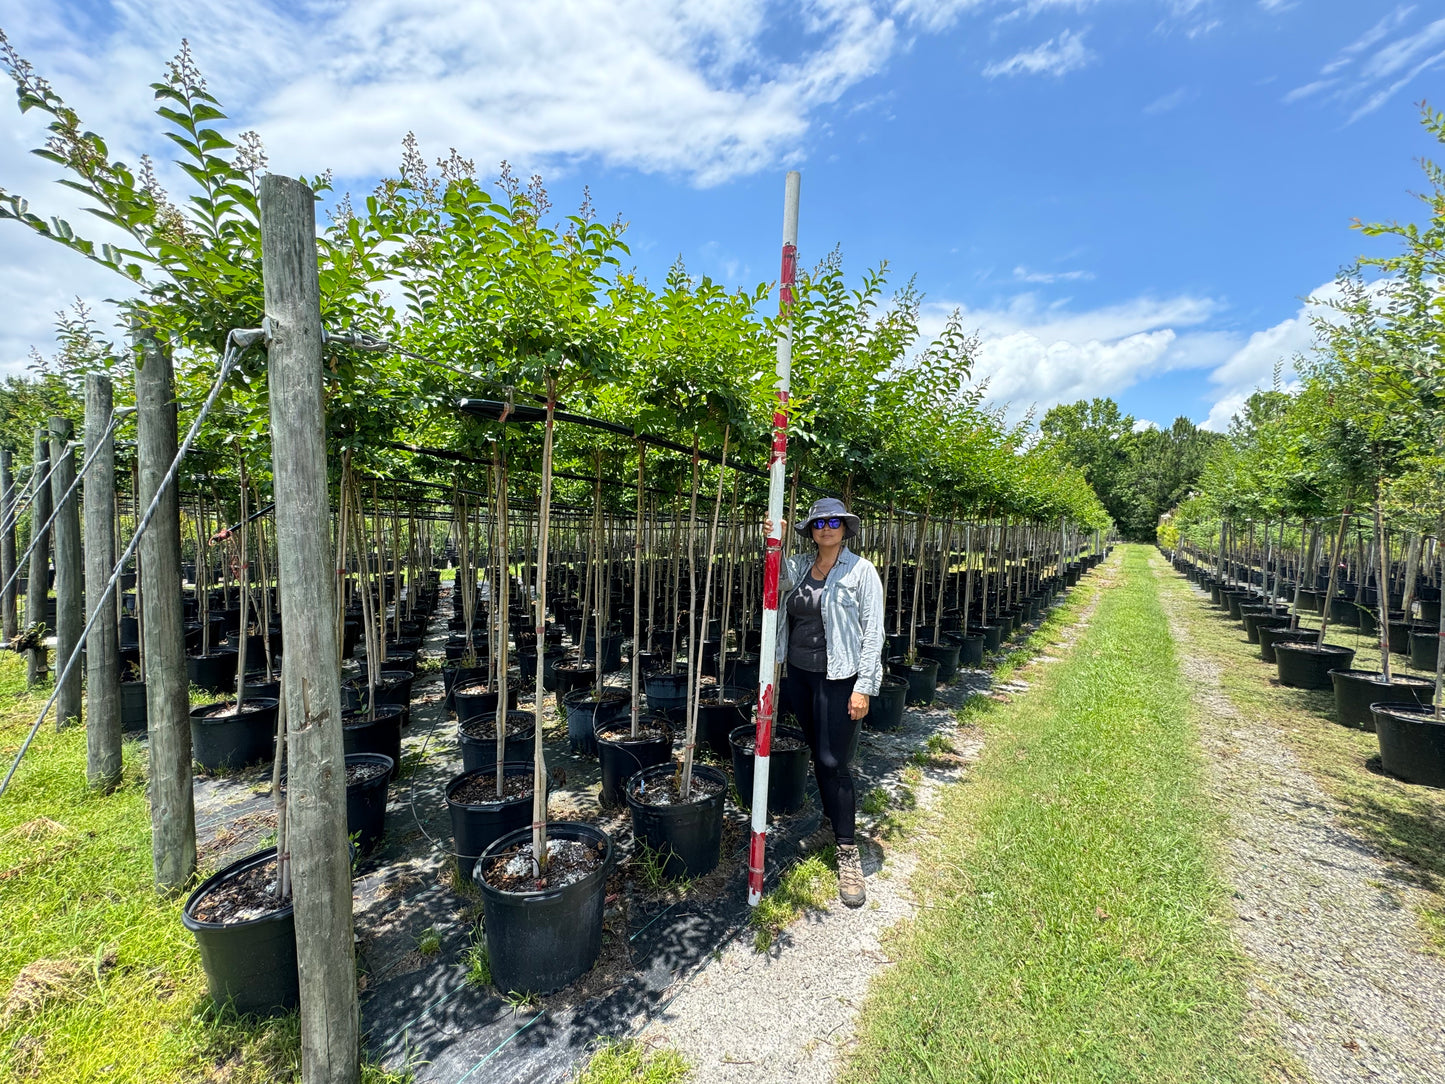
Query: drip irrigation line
point(236, 344)
point(36, 536)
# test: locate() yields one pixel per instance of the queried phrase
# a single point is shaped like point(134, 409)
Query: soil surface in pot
point(228, 711)
point(667, 794)
point(781, 744)
point(568, 861)
point(485, 726)
point(478, 689)
point(482, 789)
point(361, 773)
point(241, 898)
point(624, 737)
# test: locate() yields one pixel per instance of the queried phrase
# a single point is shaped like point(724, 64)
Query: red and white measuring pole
point(777, 469)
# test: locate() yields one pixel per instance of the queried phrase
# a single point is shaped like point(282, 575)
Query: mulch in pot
point(568, 861)
point(242, 898)
point(482, 789)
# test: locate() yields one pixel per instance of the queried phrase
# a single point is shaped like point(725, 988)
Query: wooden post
point(66, 529)
point(316, 795)
point(36, 664)
point(102, 677)
point(9, 619)
point(173, 813)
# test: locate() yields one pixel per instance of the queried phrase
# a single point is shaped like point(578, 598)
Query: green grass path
point(1074, 926)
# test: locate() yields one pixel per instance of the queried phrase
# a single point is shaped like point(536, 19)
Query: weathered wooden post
point(9, 620)
point(36, 663)
point(173, 813)
point(315, 796)
point(102, 677)
point(68, 607)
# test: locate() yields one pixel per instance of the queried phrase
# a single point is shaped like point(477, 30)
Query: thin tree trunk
point(102, 676)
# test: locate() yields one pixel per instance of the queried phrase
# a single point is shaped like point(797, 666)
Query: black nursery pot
point(1357, 690)
point(787, 769)
point(1424, 648)
point(366, 801)
point(476, 827)
point(376, 732)
point(1254, 616)
point(970, 652)
point(922, 678)
point(233, 741)
point(1269, 635)
point(666, 690)
point(454, 674)
point(622, 757)
point(688, 836)
point(719, 713)
point(945, 653)
point(742, 671)
point(586, 711)
point(393, 689)
point(251, 964)
point(479, 753)
point(538, 942)
point(1412, 743)
point(133, 707)
point(992, 635)
point(473, 701)
point(1308, 666)
point(215, 672)
point(885, 710)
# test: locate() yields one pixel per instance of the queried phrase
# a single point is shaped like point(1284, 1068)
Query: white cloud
point(1058, 56)
point(1365, 74)
point(1023, 274)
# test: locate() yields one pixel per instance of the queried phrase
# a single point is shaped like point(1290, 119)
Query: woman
point(832, 640)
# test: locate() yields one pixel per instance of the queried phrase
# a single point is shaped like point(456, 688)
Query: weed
point(876, 802)
point(479, 964)
point(429, 941)
point(630, 1062)
point(808, 886)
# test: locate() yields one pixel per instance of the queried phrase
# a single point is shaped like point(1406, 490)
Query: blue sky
point(1126, 197)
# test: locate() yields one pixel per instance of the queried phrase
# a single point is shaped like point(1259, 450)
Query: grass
point(632, 1063)
point(1403, 821)
point(100, 979)
point(808, 886)
point(1074, 925)
point(479, 963)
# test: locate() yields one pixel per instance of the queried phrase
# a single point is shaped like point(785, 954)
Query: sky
point(1131, 198)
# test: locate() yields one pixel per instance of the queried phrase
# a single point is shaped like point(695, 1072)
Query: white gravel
point(1336, 954)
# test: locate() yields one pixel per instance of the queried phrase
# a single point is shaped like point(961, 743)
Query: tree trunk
point(37, 664)
point(69, 619)
point(1334, 571)
point(9, 618)
point(316, 794)
point(102, 726)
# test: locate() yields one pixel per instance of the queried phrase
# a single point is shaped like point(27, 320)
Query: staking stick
point(777, 467)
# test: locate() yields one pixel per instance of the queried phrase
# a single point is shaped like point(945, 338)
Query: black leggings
point(822, 710)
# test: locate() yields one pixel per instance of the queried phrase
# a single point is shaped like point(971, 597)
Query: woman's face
point(828, 536)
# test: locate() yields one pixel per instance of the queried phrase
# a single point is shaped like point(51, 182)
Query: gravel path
point(1336, 956)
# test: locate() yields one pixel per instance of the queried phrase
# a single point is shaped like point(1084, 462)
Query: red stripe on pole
point(755, 861)
point(789, 275)
point(772, 563)
point(763, 741)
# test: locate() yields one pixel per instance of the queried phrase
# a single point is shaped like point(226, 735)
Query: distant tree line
point(1138, 475)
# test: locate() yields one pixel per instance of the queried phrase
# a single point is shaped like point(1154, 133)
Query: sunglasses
point(831, 521)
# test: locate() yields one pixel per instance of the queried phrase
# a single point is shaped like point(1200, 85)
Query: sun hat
point(824, 508)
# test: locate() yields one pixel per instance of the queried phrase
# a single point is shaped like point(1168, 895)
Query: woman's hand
point(768, 527)
point(857, 705)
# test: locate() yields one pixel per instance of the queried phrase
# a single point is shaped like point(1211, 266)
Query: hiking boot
point(850, 875)
point(817, 839)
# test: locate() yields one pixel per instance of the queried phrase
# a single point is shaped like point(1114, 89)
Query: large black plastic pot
point(1344, 612)
point(233, 741)
point(611, 651)
point(1313, 601)
point(1356, 690)
point(538, 942)
point(215, 672)
point(686, 836)
point(396, 659)
point(742, 671)
point(473, 701)
point(885, 710)
point(1370, 620)
point(376, 733)
point(1308, 666)
point(476, 826)
point(787, 769)
point(1412, 743)
point(133, 707)
point(1269, 635)
point(252, 964)
point(571, 675)
point(393, 689)
point(622, 757)
point(1254, 616)
point(719, 712)
point(666, 690)
point(922, 678)
point(992, 635)
point(1424, 648)
point(945, 653)
point(454, 673)
point(480, 752)
point(586, 711)
point(1233, 600)
point(257, 685)
point(1399, 638)
point(970, 652)
point(1429, 610)
point(366, 801)
point(527, 663)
